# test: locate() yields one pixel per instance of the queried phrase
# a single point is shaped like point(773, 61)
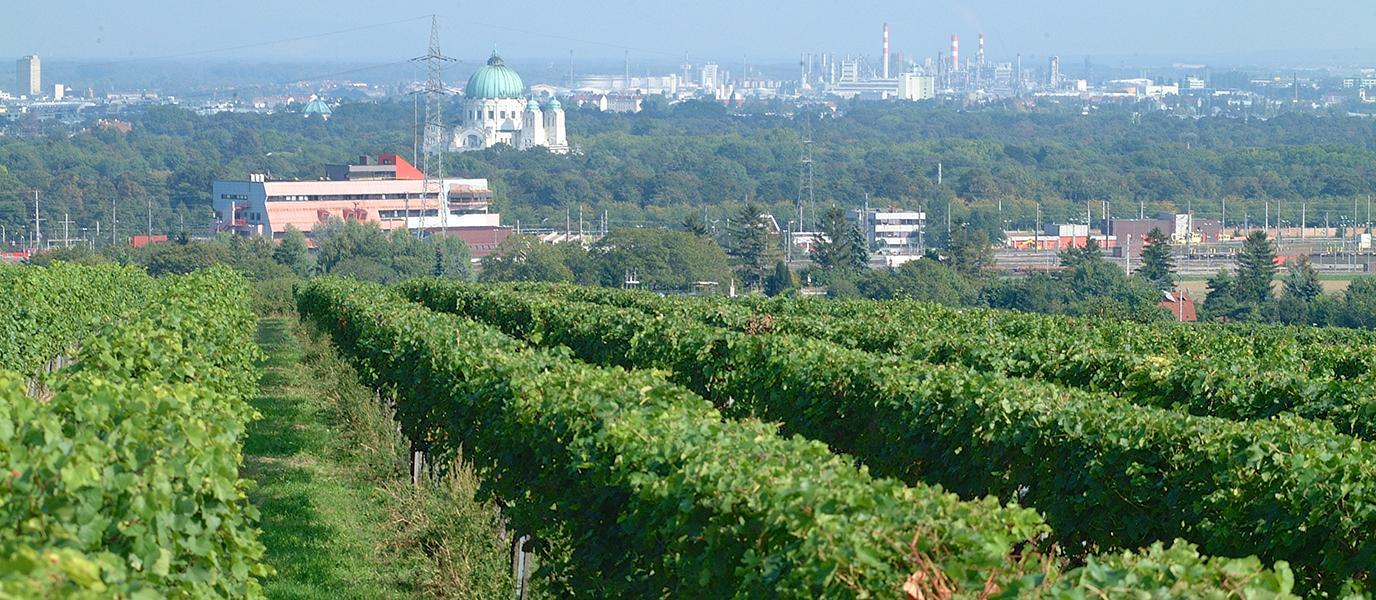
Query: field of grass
point(1198, 286)
point(339, 516)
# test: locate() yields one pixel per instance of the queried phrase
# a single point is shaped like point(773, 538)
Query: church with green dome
point(496, 110)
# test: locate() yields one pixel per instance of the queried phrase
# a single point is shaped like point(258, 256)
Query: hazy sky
point(656, 31)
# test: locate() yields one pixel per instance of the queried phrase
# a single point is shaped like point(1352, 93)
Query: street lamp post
point(788, 250)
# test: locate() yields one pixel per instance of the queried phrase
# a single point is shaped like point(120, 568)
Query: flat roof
point(365, 186)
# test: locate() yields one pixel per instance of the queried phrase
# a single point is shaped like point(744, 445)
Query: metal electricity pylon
point(432, 145)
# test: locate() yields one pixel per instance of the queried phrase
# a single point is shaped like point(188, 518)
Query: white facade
point(850, 70)
point(912, 86)
point(1067, 230)
point(708, 76)
point(515, 122)
point(496, 111)
point(891, 231)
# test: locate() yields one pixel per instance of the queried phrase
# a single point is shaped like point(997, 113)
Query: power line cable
point(262, 44)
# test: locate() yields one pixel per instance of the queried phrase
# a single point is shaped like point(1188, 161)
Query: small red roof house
point(1181, 306)
point(140, 241)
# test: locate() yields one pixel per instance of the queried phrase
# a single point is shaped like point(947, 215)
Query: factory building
point(912, 86)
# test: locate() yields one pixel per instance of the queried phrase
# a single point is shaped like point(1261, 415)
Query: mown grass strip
point(338, 518)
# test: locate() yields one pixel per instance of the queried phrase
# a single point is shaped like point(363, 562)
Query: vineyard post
point(520, 563)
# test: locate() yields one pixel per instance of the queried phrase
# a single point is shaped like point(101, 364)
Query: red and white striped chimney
point(980, 57)
point(955, 52)
point(886, 51)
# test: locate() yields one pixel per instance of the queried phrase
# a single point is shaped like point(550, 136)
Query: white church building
point(497, 111)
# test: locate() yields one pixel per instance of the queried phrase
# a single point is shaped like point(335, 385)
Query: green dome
point(494, 80)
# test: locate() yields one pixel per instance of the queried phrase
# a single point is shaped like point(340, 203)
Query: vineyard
point(705, 447)
point(122, 466)
point(683, 456)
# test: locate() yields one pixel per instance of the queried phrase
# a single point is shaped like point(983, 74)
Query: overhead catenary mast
point(37, 228)
point(805, 183)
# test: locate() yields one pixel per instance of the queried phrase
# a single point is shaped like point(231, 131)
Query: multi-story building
point(850, 71)
point(708, 78)
point(390, 192)
point(1363, 82)
point(892, 234)
point(28, 77)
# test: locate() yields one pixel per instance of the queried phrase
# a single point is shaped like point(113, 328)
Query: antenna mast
point(432, 162)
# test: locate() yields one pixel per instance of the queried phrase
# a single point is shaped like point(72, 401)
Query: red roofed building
point(1181, 306)
point(140, 241)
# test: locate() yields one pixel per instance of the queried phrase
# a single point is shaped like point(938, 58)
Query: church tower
point(532, 132)
point(556, 138)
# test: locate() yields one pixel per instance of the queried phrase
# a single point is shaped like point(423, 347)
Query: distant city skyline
point(660, 32)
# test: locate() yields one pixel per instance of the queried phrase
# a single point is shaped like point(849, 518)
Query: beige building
point(912, 86)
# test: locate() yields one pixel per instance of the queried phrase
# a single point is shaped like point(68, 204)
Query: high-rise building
point(708, 76)
point(1054, 78)
point(28, 76)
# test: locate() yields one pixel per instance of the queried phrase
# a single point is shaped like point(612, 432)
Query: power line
point(262, 44)
point(236, 89)
point(674, 54)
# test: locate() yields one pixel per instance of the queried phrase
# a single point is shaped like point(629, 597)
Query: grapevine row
point(1211, 371)
point(660, 496)
point(123, 482)
point(1105, 473)
point(44, 312)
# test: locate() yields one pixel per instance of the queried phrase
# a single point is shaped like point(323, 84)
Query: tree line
point(992, 168)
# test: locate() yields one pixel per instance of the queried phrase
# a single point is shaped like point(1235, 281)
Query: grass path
point(324, 526)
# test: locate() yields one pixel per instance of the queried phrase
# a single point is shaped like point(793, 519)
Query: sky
point(654, 31)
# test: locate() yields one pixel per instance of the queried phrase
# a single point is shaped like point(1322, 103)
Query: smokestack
point(886, 51)
point(955, 52)
point(980, 56)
